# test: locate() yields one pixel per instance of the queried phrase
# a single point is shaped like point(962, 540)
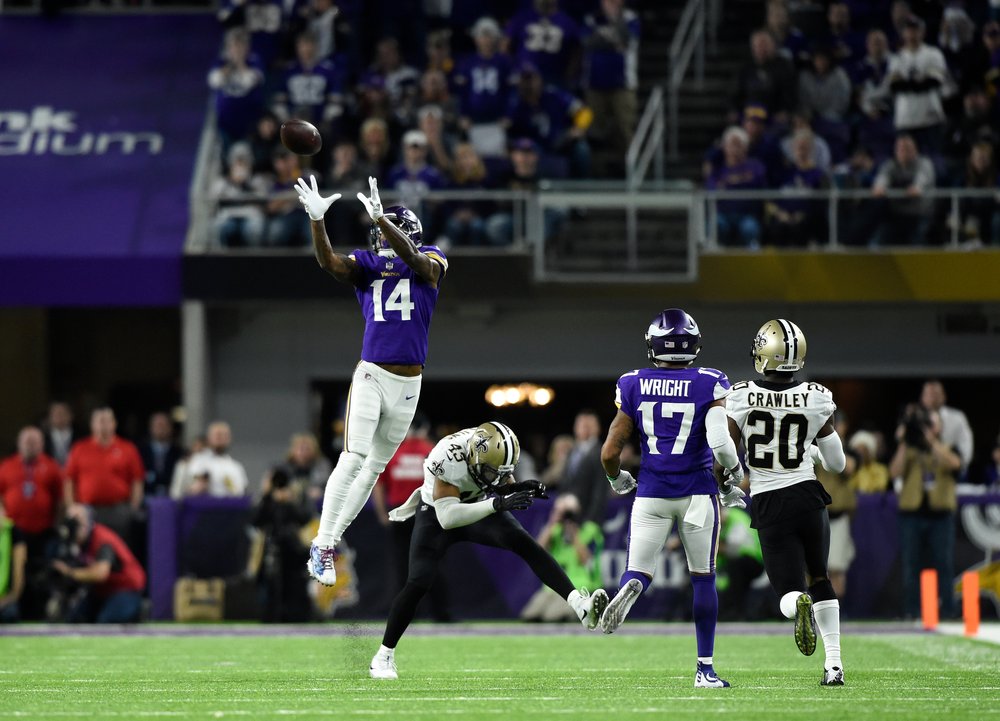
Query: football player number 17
point(399, 299)
point(647, 411)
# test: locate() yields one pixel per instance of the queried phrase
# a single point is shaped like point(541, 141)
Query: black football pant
point(430, 542)
point(795, 547)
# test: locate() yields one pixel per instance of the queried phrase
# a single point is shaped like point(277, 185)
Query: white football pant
point(380, 408)
point(652, 519)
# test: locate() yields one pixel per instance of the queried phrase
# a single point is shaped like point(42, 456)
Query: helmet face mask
point(779, 347)
point(404, 219)
point(673, 337)
point(492, 455)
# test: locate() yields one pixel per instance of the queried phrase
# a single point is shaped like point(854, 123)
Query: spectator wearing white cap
point(414, 177)
point(483, 82)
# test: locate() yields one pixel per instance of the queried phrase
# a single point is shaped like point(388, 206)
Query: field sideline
point(486, 671)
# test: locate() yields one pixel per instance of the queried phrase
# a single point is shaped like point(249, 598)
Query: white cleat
point(833, 676)
point(590, 606)
point(383, 667)
point(321, 564)
point(620, 605)
point(706, 677)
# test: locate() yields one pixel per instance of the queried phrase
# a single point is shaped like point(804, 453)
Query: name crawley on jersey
point(778, 400)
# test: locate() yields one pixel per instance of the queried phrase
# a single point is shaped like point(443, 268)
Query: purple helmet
point(404, 219)
point(673, 337)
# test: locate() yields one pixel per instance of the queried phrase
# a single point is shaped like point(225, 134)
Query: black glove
point(517, 501)
point(536, 488)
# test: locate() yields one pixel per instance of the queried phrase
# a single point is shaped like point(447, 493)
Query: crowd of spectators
point(72, 533)
point(423, 98)
point(904, 107)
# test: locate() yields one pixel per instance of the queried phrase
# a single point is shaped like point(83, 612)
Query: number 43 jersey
point(397, 305)
point(779, 422)
point(668, 407)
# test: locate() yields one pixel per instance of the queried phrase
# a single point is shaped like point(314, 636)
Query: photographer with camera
point(281, 517)
point(576, 545)
point(95, 557)
point(926, 472)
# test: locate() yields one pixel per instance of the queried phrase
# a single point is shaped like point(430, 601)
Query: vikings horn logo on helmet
point(779, 346)
point(673, 337)
point(404, 219)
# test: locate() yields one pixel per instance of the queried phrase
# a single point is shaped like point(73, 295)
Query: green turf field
point(572, 676)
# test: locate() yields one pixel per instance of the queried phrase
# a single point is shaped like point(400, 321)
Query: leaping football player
point(679, 411)
point(786, 425)
point(468, 495)
point(396, 283)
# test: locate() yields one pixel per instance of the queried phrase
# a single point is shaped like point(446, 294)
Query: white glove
point(732, 496)
point(315, 204)
point(373, 204)
point(813, 453)
point(733, 476)
point(623, 484)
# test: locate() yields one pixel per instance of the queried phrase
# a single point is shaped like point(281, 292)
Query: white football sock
point(337, 487)
point(357, 496)
point(705, 660)
point(827, 615)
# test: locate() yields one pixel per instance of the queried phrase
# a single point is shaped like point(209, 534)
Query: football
point(301, 137)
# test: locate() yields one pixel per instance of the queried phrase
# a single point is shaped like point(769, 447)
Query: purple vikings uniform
point(668, 406)
point(484, 86)
point(397, 305)
point(544, 41)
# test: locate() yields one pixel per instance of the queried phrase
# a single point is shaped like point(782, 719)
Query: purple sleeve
point(624, 394)
point(365, 261)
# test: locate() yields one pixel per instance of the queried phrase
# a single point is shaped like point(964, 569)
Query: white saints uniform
point(447, 462)
point(779, 423)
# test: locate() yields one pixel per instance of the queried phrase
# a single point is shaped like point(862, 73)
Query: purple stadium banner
point(99, 125)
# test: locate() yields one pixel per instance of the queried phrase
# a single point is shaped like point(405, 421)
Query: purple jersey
point(308, 92)
point(415, 183)
point(545, 41)
point(748, 175)
point(397, 305)
point(546, 122)
point(668, 407)
point(484, 86)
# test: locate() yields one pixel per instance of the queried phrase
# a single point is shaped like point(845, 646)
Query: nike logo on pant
point(410, 398)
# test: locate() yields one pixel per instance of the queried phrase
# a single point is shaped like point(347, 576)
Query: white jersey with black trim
point(447, 462)
point(778, 423)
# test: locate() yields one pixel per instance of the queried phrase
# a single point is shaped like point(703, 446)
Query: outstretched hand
point(315, 204)
point(372, 203)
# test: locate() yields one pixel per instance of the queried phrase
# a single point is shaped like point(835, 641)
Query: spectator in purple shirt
point(549, 39)
point(738, 221)
point(764, 146)
point(611, 45)
point(466, 219)
point(415, 177)
point(553, 118)
point(400, 80)
point(311, 88)
point(875, 128)
point(797, 222)
point(238, 84)
point(483, 82)
point(264, 20)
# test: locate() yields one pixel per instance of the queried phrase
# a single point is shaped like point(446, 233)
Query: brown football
point(301, 137)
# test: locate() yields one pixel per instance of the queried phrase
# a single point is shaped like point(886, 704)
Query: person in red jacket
point(402, 476)
point(31, 489)
point(112, 575)
point(105, 472)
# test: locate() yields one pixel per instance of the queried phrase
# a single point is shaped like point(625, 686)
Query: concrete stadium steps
point(702, 109)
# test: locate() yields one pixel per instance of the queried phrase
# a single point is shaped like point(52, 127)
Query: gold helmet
point(492, 454)
point(780, 345)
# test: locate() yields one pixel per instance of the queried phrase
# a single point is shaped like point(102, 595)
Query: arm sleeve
point(719, 440)
point(452, 513)
point(831, 453)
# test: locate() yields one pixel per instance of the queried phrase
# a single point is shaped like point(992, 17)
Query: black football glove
point(536, 488)
point(517, 501)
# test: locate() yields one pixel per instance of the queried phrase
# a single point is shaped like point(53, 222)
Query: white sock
point(827, 615)
point(386, 652)
point(705, 660)
point(357, 496)
point(337, 487)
